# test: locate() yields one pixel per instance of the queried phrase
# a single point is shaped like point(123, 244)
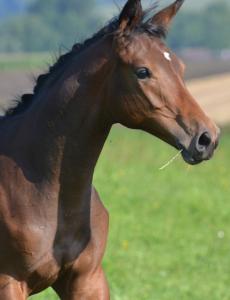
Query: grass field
point(169, 230)
point(24, 61)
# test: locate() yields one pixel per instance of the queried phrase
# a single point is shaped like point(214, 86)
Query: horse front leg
point(10, 289)
point(91, 286)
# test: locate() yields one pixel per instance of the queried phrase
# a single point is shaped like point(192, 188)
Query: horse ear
point(165, 16)
point(131, 15)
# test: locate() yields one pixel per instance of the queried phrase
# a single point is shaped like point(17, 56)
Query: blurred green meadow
point(169, 230)
point(25, 61)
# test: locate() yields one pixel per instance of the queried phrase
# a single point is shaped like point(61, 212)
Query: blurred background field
point(24, 61)
point(169, 230)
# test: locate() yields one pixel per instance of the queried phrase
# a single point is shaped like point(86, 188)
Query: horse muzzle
point(201, 148)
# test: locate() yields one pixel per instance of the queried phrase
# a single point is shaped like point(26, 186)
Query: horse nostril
point(204, 141)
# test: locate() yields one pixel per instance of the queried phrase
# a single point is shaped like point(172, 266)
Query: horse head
point(149, 92)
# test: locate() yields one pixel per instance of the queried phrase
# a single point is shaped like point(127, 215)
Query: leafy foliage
point(208, 28)
point(49, 24)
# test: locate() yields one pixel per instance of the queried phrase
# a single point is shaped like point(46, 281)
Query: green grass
point(169, 230)
point(24, 61)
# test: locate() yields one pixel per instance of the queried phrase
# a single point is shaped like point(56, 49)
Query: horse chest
point(71, 239)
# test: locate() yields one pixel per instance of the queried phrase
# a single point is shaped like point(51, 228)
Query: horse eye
point(142, 73)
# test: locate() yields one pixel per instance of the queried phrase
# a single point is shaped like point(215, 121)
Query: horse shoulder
point(91, 257)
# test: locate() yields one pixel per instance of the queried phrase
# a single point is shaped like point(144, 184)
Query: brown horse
point(53, 226)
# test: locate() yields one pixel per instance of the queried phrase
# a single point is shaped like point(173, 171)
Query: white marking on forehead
point(167, 56)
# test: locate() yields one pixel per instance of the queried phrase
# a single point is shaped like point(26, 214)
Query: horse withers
point(53, 226)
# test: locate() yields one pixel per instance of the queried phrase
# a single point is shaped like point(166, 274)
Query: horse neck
point(68, 127)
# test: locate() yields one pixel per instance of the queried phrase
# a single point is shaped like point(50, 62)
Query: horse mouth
point(189, 159)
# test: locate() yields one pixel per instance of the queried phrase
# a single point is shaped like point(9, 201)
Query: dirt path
point(213, 93)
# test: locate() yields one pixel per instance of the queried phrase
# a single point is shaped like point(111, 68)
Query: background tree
point(50, 24)
point(208, 28)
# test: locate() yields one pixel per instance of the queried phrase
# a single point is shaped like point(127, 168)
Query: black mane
point(26, 100)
